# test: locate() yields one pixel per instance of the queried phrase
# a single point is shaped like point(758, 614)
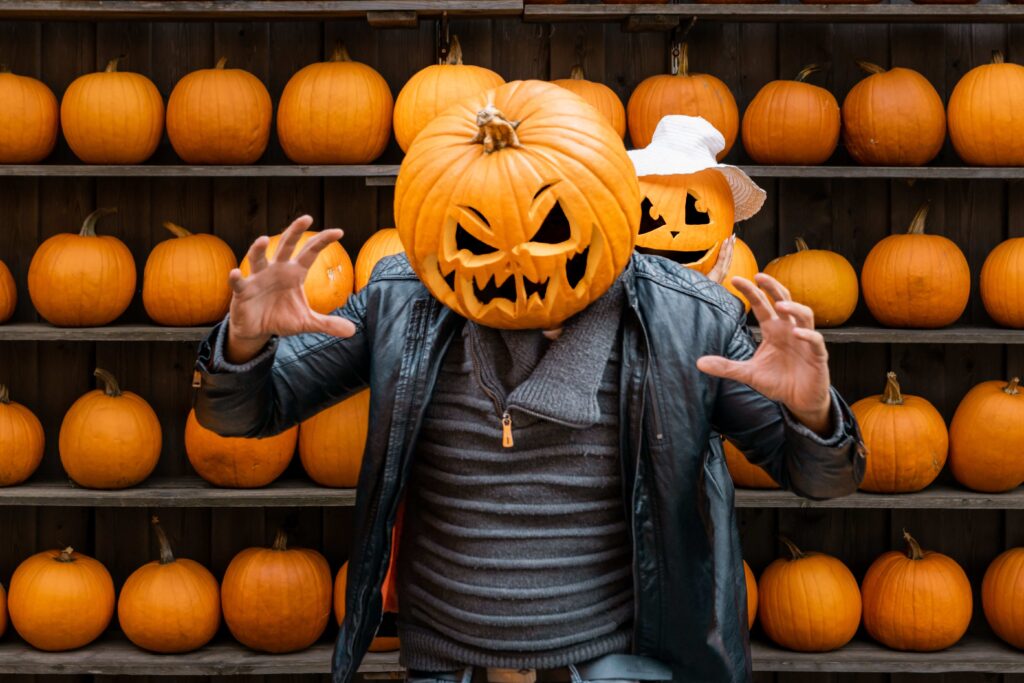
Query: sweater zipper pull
point(506, 431)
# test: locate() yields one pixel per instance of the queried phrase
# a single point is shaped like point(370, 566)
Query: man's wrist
point(818, 421)
point(240, 351)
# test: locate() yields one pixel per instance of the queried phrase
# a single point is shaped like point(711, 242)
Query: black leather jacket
point(689, 584)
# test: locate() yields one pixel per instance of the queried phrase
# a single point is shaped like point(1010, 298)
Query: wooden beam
point(392, 19)
point(935, 497)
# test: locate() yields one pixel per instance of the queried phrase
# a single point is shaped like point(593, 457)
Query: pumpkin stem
point(892, 396)
point(807, 71)
point(166, 556)
point(914, 551)
point(280, 541)
point(869, 67)
point(454, 57)
point(177, 229)
point(340, 54)
point(220, 63)
point(5, 394)
point(496, 132)
point(917, 223)
point(576, 73)
point(112, 65)
point(65, 555)
point(681, 60)
point(801, 245)
point(112, 387)
point(793, 550)
point(89, 224)
point(997, 57)
point(1013, 388)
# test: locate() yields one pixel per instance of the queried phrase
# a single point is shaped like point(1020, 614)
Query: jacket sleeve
point(772, 438)
point(292, 379)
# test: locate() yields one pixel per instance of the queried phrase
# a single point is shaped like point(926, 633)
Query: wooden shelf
point(112, 333)
point(935, 497)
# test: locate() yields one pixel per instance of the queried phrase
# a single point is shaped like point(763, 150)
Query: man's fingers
point(334, 325)
point(724, 262)
point(759, 302)
point(803, 314)
point(812, 337)
point(236, 280)
point(290, 237)
point(257, 254)
point(717, 366)
point(774, 288)
point(311, 249)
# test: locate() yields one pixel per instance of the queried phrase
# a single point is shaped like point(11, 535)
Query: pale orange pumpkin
point(112, 117)
point(986, 437)
point(1002, 596)
point(744, 265)
point(219, 116)
point(379, 643)
point(21, 441)
point(745, 475)
point(234, 462)
point(1002, 283)
point(986, 114)
point(916, 280)
point(185, 282)
point(384, 242)
point(751, 581)
point(329, 280)
point(29, 112)
point(83, 280)
point(820, 279)
point(331, 442)
point(109, 439)
point(8, 293)
point(597, 95)
point(60, 600)
point(335, 112)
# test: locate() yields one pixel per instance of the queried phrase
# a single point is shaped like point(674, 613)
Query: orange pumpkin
point(83, 280)
point(435, 88)
point(986, 114)
point(597, 95)
point(60, 600)
point(335, 112)
point(21, 441)
point(328, 282)
point(109, 439)
point(331, 442)
point(986, 437)
point(919, 601)
point(820, 279)
point(1002, 596)
point(379, 643)
point(682, 93)
point(112, 117)
point(792, 122)
point(1002, 283)
point(384, 242)
point(186, 279)
point(293, 585)
point(745, 474)
point(219, 116)
point(169, 605)
point(808, 602)
point(744, 264)
point(751, 581)
point(29, 112)
point(8, 293)
point(916, 280)
point(236, 462)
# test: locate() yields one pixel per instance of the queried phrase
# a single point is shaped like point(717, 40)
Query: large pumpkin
point(893, 118)
point(919, 601)
point(171, 604)
point(331, 442)
point(986, 114)
point(435, 88)
point(291, 586)
point(335, 112)
point(379, 643)
point(384, 242)
point(751, 581)
point(745, 474)
point(820, 279)
point(682, 93)
point(186, 279)
point(791, 122)
point(109, 439)
point(235, 462)
point(986, 437)
point(219, 116)
point(329, 280)
point(83, 280)
point(8, 293)
point(1002, 596)
point(21, 440)
point(29, 112)
point(808, 602)
point(916, 280)
point(1002, 283)
point(60, 600)
point(597, 95)
point(518, 207)
point(744, 265)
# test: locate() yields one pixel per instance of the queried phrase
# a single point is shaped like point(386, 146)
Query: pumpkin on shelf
point(234, 462)
point(916, 280)
point(808, 602)
point(60, 600)
point(8, 293)
point(379, 643)
point(744, 264)
point(918, 601)
point(384, 242)
point(29, 111)
point(597, 95)
point(219, 116)
point(331, 442)
point(322, 120)
point(277, 599)
point(893, 118)
point(792, 122)
point(745, 474)
point(820, 279)
point(682, 92)
point(751, 581)
point(169, 605)
point(433, 89)
point(1002, 596)
point(986, 114)
point(1002, 283)
point(109, 439)
point(83, 280)
point(21, 440)
point(986, 437)
point(185, 282)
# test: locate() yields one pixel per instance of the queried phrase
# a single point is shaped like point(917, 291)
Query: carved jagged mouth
point(492, 291)
point(575, 271)
point(680, 257)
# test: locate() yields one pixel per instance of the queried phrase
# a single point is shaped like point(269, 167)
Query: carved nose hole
point(555, 229)
point(695, 216)
point(648, 224)
point(464, 240)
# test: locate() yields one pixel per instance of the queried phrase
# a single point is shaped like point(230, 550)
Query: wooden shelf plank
point(154, 333)
point(935, 497)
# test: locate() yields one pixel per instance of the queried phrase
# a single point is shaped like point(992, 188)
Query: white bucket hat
point(687, 144)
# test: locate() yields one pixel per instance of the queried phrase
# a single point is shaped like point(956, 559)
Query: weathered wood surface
point(936, 497)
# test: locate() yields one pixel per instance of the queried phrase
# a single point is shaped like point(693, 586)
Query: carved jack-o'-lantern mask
point(519, 207)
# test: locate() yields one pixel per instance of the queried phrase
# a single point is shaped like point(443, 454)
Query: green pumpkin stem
point(869, 67)
point(914, 551)
point(793, 550)
point(65, 555)
point(1013, 388)
point(576, 73)
point(112, 388)
point(917, 223)
point(280, 540)
point(340, 54)
point(89, 224)
point(112, 65)
point(454, 57)
point(892, 396)
point(176, 229)
point(496, 132)
point(5, 394)
point(807, 71)
point(166, 555)
point(997, 57)
point(220, 63)
point(801, 244)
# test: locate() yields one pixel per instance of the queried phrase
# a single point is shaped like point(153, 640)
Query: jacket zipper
point(499, 403)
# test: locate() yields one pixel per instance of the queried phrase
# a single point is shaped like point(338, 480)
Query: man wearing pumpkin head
point(564, 516)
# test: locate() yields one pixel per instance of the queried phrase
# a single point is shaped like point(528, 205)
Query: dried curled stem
point(496, 132)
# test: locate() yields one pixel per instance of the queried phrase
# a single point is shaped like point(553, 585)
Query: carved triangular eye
point(648, 224)
point(695, 216)
point(555, 229)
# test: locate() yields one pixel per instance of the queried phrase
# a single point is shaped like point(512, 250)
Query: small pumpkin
point(292, 584)
point(808, 602)
point(597, 95)
point(169, 605)
point(83, 280)
point(236, 462)
point(986, 437)
point(60, 600)
point(986, 114)
point(29, 112)
point(331, 442)
point(109, 439)
point(185, 282)
point(1002, 596)
point(792, 122)
point(820, 279)
point(435, 88)
point(21, 441)
point(919, 601)
point(744, 265)
point(1002, 283)
point(745, 474)
point(8, 293)
point(329, 280)
point(384, 242)
point(916, 280)
point(379, 643)
point(219, 116)
point(335, 112)
point(751, 581)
